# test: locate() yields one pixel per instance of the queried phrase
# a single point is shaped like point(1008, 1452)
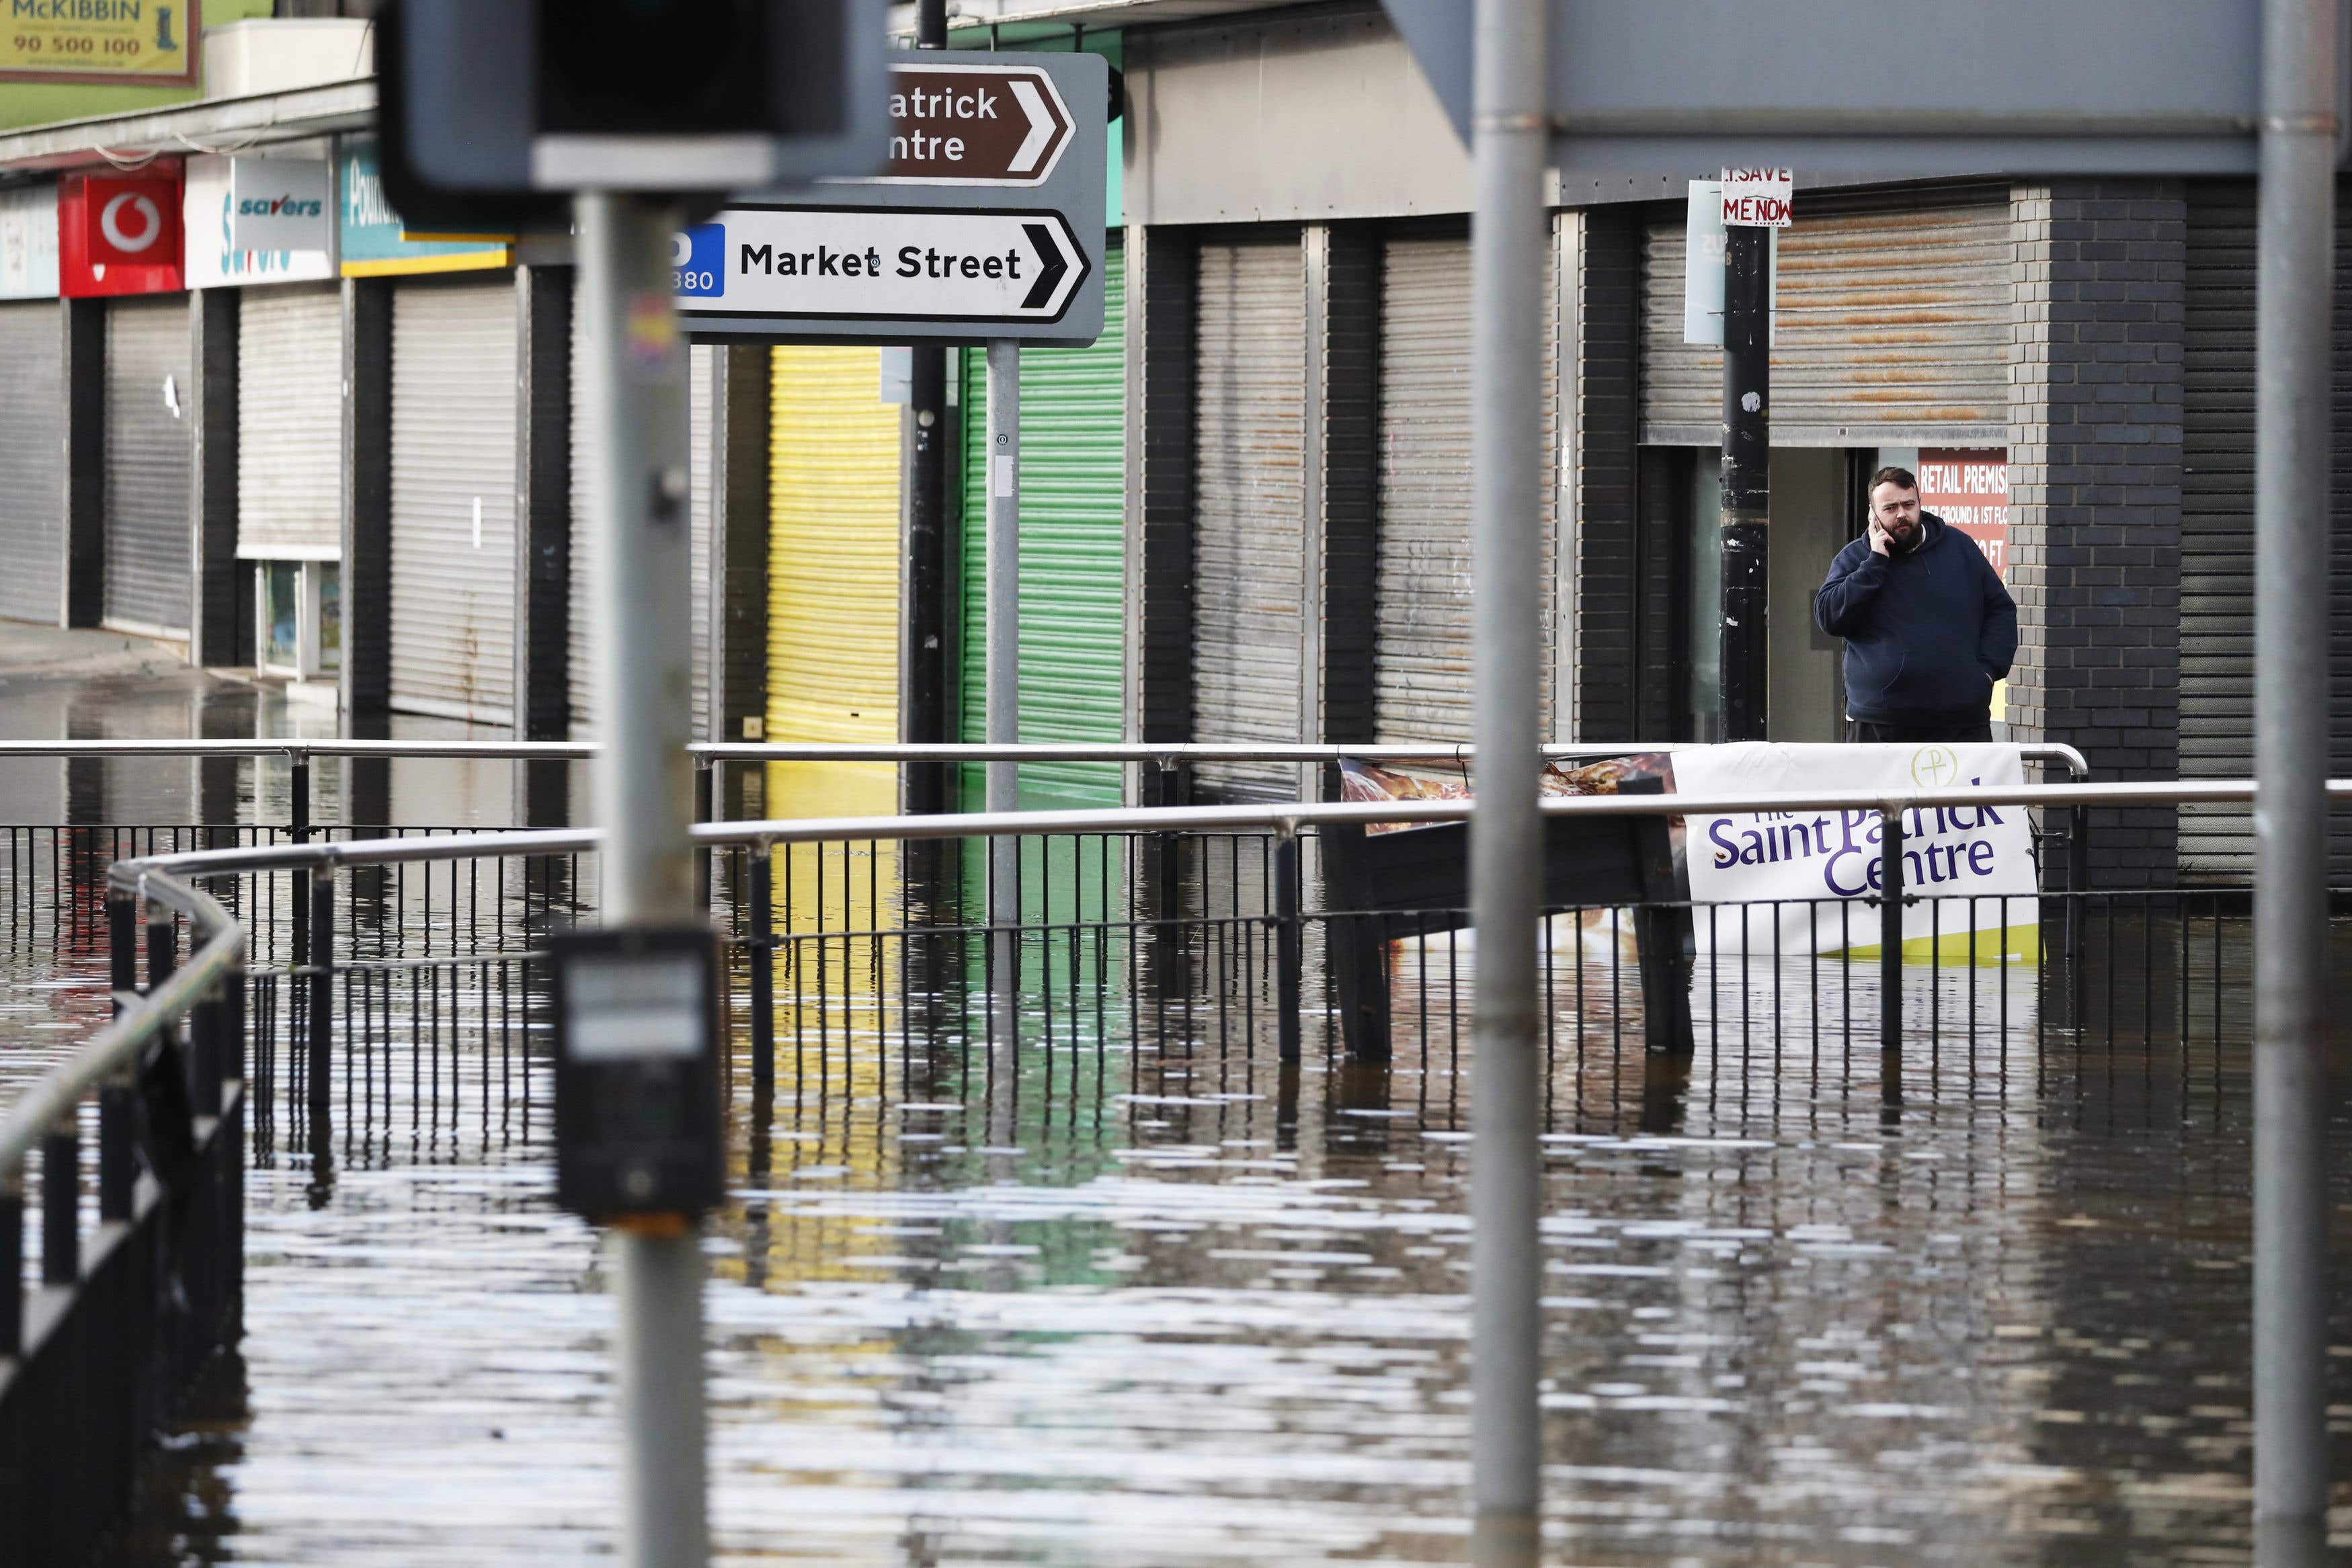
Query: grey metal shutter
point(149, 461)
point(32, 462)
point(1249, 570)
point(701, 371)
point(1892, 326)
point(2217, 526)
point(453, 487)
point(1423, 607)
point(580, 676)
point(289, 423)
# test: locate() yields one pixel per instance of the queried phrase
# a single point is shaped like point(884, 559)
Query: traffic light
point(519, 98)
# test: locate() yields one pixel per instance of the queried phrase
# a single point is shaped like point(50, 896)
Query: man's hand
point(1878, 542)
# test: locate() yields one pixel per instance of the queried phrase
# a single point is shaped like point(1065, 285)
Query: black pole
point(1890, 958)
point(1746, 474)
point(925, 637)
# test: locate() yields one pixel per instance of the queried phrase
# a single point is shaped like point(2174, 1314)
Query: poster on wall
point(122, 41)
point(1968, 488)
point(29, 242)
point(1810, 880)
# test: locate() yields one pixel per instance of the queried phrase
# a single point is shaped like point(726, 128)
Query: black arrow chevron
point(1050, 266)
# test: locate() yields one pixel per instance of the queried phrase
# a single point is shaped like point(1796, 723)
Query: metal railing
point(101, 1354)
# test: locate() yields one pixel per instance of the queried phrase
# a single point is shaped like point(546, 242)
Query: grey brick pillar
point(2094, 465)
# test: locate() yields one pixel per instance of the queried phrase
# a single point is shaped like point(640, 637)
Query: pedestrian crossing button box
point(636, 1071)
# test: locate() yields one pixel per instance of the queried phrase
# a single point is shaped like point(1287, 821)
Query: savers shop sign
point(1970, 867)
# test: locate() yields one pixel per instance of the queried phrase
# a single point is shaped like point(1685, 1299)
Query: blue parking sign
point(699, 261)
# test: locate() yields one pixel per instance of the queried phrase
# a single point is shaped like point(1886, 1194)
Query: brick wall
point(2098, 276)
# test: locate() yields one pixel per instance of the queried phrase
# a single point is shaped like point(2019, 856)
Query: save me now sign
point(1757, 198)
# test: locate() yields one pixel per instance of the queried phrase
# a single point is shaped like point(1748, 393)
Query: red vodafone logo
point(132, 222)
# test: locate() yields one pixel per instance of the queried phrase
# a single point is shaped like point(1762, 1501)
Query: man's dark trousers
point(1864, 732)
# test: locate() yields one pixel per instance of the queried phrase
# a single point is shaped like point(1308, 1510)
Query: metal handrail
point(1284, 817)
point(117, 1047)
point(708, 752)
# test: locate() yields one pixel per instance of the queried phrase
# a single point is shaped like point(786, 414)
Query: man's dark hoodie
point(1927, 630)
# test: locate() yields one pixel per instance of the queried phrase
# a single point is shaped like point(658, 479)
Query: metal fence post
point(705, 787)
point(323, 998)
point(122, 947)
point(61, 1202)
point(117, 1161)
point(209, 1054)
point(1510, 131)
point(299, 829)
point(1890, 956)
point(762, 946)
point(1003, 671)
point(163, 947)
point(12, 1261)
point(1289, 945)
point(2294, 445)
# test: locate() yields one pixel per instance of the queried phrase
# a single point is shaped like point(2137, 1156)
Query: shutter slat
point(32, 475)
point(289, 423)
point(453, 443)
point(149, 464)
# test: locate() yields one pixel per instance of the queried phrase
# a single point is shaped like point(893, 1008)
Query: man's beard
point(1904, 543)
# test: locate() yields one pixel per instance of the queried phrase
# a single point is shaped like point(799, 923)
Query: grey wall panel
point(1422, 657)
point(32, 461)
point(1892, 326)
point(290, 412)
point(453, 484)
point(1249, 543)
point(148, 468)
point(1361, 134)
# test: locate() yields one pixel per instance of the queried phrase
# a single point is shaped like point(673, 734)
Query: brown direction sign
point(975, 125)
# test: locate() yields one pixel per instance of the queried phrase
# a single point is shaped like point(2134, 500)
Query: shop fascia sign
point(120, 233)
point(29, 242)
point(289, 246)
point(279, 204)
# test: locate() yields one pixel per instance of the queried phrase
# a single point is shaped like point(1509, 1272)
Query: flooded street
point(1155, 1298)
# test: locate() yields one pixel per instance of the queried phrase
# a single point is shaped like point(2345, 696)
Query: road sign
point(1757, 198)
point(785, 264)
point(1914, 87)
point(975, 125)
point(996, 234)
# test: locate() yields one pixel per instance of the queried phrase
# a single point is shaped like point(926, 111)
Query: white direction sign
point(990, 224)
point(795, 262)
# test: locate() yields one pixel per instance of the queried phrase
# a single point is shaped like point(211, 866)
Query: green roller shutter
point(1073, 489)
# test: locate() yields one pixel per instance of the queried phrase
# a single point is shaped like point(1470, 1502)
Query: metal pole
point(636, 365)
point(1746, 474)
point(1004, 665)
point(1890, 958)
point(925, 643)
point(1506, 844)
point(2295, 250)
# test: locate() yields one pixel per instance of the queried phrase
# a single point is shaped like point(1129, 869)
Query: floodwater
point(1162, 1301)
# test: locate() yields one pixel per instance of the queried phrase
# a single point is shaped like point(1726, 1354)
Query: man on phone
point(1928, 627)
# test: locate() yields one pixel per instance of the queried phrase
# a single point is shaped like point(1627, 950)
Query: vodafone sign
point(119, 234)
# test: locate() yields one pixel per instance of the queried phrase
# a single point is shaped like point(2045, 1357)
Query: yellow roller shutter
point(833, 573)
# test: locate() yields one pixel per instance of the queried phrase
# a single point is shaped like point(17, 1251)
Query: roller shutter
point(579, 674)
point(1249, 543)
point(148, 462)
point(32, 462)
point(2217, 526)
point(1894, 326)
point(833, 561)
point(289, 423)
point(1073, 569)
point(453, 485)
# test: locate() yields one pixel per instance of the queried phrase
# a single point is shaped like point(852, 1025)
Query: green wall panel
point(1073, 490)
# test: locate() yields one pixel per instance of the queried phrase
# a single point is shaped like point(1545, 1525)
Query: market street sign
point(989, 223)
point(975, 125)
point(1884, 87)
point(787, 264)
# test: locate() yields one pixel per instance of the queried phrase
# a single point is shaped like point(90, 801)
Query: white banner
point(1970, 868)
point(29, 242)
